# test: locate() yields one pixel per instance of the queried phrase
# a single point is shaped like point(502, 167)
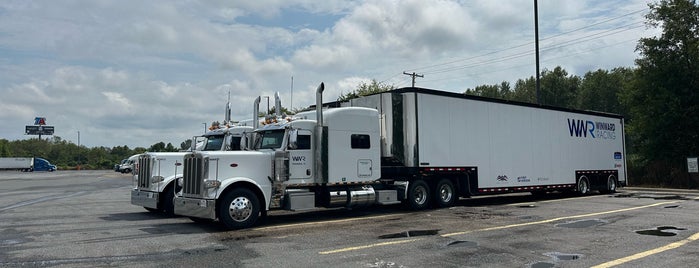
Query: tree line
point(68, 155)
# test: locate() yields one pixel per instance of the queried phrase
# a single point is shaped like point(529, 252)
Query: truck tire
point(611, 185)
point(418, 195)
point(239, 209)
point(583, 187)
point(445, 194)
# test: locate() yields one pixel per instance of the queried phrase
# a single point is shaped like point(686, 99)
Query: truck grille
point(193, 174)
point(145, 169)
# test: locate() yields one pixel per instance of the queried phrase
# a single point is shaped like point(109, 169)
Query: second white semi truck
point(156, 173)
point(416, 146)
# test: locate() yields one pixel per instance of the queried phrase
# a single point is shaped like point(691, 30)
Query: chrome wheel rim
point(240, 209)
point(445, 193)
point(420, 195)
point(582, 186)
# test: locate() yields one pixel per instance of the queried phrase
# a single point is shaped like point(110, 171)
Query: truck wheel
point(611, 185)
point(444, 194)
point(583, 186)
point(418, 195)
point(239, 209)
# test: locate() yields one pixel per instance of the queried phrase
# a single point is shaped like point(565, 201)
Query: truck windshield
point(270, 139)
point(213, 143)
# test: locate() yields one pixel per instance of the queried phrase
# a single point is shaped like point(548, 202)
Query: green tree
point(663, 101)
point(525, 90)
point(498, 91)
point(158, 147)
point(599, 90)
point(558, 89)
point(364, 89)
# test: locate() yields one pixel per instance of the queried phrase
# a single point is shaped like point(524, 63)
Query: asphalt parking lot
point(85, 219)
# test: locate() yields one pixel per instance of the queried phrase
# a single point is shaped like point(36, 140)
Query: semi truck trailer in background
point(26, 164)
point(417, 146)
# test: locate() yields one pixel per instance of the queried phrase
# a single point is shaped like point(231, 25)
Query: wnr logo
point(298, 158)
point(580, 128)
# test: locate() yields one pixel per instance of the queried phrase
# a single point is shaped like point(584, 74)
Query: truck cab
point(293, 164)
point(41, 164)
point(157, 172)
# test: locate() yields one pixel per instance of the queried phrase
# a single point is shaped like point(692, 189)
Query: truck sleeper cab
point(284, 173)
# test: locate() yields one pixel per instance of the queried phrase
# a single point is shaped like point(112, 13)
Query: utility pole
point(291, 105)
point(536, 36)
point(413, 75)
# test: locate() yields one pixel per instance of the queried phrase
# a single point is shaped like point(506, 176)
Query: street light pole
point(78, 138)
point(204, 128)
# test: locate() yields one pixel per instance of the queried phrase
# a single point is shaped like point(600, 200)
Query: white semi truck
point(417, 146)
point(156, 173)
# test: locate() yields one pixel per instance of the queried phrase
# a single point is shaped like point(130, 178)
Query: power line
point(578, 40)
point(527, 64)
point(425, 68)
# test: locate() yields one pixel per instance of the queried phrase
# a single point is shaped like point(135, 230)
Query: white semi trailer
point(417, 146)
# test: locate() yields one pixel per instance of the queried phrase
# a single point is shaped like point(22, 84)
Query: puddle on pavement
point(543, 265)
point(582, 223)
point(557, 256)
point(412, 233)
point(671, 197)
point(661, 231)
point(652, 196)
point(673, 206)
point(466, 244)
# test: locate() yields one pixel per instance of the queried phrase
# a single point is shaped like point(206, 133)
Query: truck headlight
point(180, 182)
point(212, 183)
point(156, 179)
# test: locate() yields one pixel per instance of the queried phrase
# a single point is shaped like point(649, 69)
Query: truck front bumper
point(195, 207)
point(145, 199)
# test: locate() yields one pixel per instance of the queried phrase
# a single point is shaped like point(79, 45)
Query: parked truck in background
point(128, 165)
point(157, 172)
point(416, 146)
point(26, 164)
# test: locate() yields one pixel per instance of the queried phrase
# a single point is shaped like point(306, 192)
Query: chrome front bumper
point(194, 207)
point(145, 198)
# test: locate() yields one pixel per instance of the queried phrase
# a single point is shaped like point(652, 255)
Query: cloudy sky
point(139, 72)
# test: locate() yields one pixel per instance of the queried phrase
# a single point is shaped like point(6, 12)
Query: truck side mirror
point(293, 139)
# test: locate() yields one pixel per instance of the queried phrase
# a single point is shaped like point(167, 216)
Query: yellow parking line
point(368, 246)
point(558, 219)
point(649, 252)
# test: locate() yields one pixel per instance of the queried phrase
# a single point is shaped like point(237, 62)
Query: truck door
point(301, 158)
